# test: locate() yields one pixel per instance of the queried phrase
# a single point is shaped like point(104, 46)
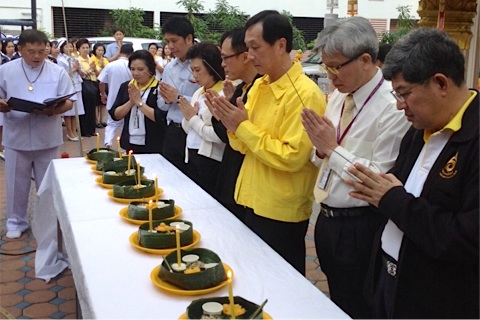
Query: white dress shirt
point(200, 132)
point(114, 74)
point(373, 139)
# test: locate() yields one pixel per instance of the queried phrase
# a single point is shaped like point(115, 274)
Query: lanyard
point(341, 137)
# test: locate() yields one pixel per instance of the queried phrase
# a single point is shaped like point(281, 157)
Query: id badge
point(324, 178)
point(135, 123)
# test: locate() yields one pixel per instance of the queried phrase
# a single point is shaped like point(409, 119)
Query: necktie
point(347, 115)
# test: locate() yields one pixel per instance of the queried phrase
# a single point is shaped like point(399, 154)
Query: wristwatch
point(140, 104)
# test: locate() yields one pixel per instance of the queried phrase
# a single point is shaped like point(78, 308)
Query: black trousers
point(344, 248)
point(287, 238)
point(384, 292)
point(203, 170)
point(90, 102)
point(174, 146)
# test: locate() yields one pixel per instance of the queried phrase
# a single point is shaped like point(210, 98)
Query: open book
point(28, 106)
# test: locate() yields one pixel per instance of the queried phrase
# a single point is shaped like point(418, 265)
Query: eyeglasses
point(335, 70)
point(402, 96)
point(225, 58)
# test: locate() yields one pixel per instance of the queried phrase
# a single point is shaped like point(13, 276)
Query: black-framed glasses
point(336, 70)
point(225, 58)
point(402, 96)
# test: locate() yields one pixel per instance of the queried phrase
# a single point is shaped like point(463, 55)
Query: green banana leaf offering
point(211, 274)
point(103, 154)
point(129, 189)
point(163, 235)
point(165, 209)
point(195, 309)
point(116, 164)
point(113, 176)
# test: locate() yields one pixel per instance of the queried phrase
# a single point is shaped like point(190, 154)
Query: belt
point(330, 212)
point(389, 264)
point(178, 125)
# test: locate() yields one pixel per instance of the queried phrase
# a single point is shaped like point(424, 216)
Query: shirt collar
point(455, 123)
point(281, 85)
point(362, 93)
point(217, 87)
point(152, 84)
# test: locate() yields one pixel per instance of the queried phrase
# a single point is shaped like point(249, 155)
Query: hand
point(134, 94)
point(93, 67)
point(372, 186)
point(103, 98)
point(230, 115)
point(167, 92)
point(187, 109)
point(209, 96)
point(321, 132)
point(75, 65)
point(228, 89)
point(4, 106)
point(50, 111)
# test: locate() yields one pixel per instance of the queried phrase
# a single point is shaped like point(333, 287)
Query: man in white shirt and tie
point(361, 124)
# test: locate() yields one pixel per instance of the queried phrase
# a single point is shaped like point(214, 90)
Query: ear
point(282, 45)
point(366, 58)
point(441, 81)
point(189, 39)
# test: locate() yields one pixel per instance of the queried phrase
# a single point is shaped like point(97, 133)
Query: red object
point(65, 155)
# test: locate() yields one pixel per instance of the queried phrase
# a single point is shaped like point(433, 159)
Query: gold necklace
point(30, 86)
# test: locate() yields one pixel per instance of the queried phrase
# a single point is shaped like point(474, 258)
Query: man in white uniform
point(114, 74)
point(31, 140)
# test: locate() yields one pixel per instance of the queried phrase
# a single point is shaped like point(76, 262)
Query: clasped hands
point(168, 92)
point(230, 115)
point(370, 186)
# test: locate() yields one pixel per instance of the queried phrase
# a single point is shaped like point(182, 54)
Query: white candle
point(129, 162)
point(119, 149)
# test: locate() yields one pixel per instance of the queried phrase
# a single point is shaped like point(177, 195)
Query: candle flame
point(229, 274)
point(130, 152)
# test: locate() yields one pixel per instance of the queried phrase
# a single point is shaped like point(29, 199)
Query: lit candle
point(119, 149)
point(98, 142)
point(177, 237)
point(230, 295)
point(138, 174)
point(156, 188)
point(150, 216)
point(129, 162)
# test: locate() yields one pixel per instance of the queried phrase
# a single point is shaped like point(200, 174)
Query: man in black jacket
point(426, 261)
point(237, 66)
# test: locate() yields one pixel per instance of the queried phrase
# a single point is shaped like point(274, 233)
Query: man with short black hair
point(31, 140)
point(177, 81)
point(276, 179)
point(112, 52)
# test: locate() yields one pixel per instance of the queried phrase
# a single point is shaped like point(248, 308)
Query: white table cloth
point(112, 277)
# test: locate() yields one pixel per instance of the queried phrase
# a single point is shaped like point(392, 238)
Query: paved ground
point(24, 297)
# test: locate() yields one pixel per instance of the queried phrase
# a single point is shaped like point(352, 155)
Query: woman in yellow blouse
point(100, 63)
point(90, 93)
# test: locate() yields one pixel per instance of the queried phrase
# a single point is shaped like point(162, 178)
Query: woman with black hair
point(144, 128)
point(204, 148)
point(100, 63)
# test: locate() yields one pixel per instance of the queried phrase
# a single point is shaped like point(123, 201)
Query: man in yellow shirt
point(276, 179)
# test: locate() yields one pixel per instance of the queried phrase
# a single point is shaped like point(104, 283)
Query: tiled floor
point(24, 297)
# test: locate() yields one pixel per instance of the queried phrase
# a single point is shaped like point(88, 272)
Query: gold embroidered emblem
point(449, 170)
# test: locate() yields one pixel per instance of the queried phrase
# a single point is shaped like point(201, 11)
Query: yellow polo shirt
point(277, 178)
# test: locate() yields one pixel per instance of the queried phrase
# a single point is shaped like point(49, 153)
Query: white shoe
point(2, 155)
point(14, 234)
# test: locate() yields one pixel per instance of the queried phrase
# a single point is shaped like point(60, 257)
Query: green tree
point(193, 8)
point(405, 24)
point(225, 17)
point(298, 40)
point(131, 22)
